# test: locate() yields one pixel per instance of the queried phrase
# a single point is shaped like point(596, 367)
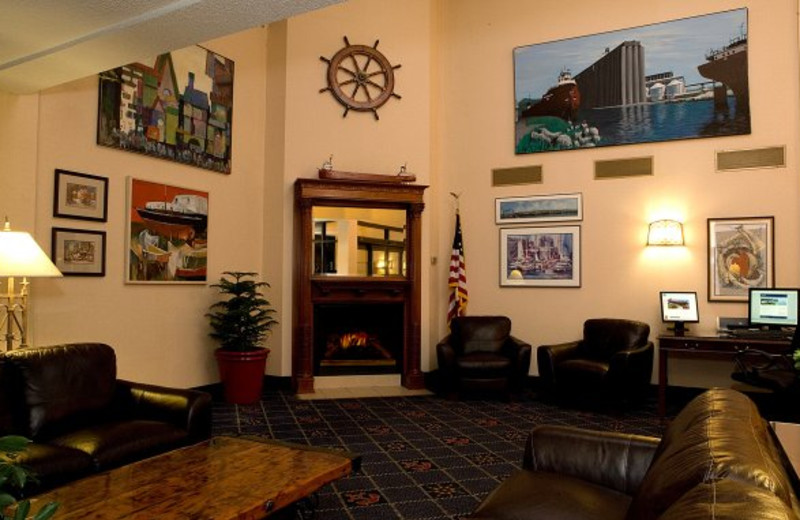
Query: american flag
point(457, 281)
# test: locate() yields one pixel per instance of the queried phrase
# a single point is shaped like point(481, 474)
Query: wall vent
point(520, 175)
point(770, 157)
point(623, 168)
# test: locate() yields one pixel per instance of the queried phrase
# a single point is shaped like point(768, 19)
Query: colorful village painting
point(178, 108)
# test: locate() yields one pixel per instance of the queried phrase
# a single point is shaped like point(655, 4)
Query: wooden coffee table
point(222, 478)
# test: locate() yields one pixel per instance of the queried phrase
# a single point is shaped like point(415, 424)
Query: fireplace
point(376, 312)
point(358, 339)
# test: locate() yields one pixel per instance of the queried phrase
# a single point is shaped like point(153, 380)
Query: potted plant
point(240, 323)
point(14, 475)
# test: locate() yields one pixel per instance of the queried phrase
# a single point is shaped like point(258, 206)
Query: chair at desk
point(773, 382)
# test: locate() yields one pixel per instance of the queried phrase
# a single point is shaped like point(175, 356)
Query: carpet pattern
point(423, 458)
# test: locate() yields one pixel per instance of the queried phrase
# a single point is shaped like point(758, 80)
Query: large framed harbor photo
point(540, 257)
point(679, 79)
point(538, 208)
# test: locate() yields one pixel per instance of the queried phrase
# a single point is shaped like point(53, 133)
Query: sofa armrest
point(609, 459)
point(635, 363)
point(520, 352)
point(548, 356)
point(185, 408)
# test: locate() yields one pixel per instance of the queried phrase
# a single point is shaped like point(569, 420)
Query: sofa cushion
point(728, 500)
point(53, 465)
point(481, 333)
point(718, 435)
point(537, 494)
point(483, 365)
point(116, 443)
point(60, 384)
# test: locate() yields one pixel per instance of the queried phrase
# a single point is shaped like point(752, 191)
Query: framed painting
point(167, 238)
point(678, 79)
point(178, 106)
point(540, 257)
point(740, 256)
point(79, 252)
point(80, 196)
point(539, 208)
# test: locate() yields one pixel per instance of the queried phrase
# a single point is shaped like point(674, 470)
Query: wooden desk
point(223, 478)
point(705, 347)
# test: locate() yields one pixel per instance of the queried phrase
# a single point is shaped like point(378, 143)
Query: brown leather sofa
point(82, 419)
point(481, 355)
point(718, 460)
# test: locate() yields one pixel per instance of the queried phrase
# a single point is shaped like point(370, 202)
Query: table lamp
point(20, 255)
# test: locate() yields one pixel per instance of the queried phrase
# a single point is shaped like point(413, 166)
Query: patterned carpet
point(424, 458)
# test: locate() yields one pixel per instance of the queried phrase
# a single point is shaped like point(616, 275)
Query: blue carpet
point(423, 458)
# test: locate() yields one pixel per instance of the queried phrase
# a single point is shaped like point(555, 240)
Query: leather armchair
point(480, 354)
point(614, 359)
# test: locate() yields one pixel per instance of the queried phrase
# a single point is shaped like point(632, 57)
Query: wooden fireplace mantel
point(311, 289)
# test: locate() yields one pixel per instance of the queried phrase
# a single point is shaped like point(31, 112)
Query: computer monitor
point(679, 307)
point(773, 308)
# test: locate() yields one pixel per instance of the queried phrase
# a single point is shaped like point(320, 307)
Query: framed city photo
point(540, 257)
point(539, 208)
point(740, 256)
point(79, 252)
point(80, 196)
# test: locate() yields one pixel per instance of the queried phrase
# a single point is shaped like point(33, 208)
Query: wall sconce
point(20, 255)
point(665, 233)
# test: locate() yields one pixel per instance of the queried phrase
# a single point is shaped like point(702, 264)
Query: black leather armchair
point(480, 354)
point(614, 360)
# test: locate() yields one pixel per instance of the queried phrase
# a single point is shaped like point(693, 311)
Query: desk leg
point(662, 382)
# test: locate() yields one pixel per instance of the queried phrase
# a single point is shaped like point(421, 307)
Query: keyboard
point(761, 334)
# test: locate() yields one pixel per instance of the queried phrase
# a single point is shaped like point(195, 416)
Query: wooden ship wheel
point(360, 78)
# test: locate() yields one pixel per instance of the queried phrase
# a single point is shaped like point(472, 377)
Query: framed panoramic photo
point(79, 252)
point(539, 208)
point(540, 256)
point(677, 79)
point(177, 106)
point(740, 256)
point(80, 196)
point(167, 234)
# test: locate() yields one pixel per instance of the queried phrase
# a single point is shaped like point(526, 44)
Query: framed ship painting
point(740, 256)
point(680, 79)
point(540, 257)
point(178, 106)
point(167, 238)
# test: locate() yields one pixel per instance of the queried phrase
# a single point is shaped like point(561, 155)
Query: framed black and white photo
point(540, 257)
point(539, 208)
point(79, 252)
point(80, 196)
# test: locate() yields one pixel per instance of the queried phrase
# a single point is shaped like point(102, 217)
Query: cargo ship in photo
point(561, 100)
point(728, 66)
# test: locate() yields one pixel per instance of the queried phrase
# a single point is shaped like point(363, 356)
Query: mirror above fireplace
point(352, 241)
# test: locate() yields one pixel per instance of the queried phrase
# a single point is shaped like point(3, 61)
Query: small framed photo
point(540, 257)
point(539, 208)
point(80, 196)
point(740, 256)
point(79, 252)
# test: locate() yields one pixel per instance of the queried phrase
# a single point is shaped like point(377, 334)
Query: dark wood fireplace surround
point(311, 289)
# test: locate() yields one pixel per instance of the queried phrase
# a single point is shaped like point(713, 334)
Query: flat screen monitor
point(773, 308)
point(679, 307)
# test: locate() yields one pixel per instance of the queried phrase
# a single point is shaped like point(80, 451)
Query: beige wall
point(452, 126)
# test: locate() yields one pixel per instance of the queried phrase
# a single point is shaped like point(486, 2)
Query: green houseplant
point(241, 321)
point(14, 475)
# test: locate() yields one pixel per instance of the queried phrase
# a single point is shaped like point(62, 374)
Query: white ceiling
point(44, 43)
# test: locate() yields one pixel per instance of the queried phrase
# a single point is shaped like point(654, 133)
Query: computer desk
point(705, 347)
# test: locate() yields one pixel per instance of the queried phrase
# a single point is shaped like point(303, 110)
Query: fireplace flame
point(353, 339)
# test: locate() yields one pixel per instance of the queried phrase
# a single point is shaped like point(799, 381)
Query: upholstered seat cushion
point(483, 365)
point(526, 495)
point(115, 443)
point(58, 463)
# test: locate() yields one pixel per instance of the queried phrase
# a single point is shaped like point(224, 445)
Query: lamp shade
point(20, 255)
point(665, 233)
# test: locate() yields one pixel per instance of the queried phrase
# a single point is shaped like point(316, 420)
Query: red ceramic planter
point(242, 374)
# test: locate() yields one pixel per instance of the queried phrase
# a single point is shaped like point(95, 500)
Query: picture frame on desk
point(740, 256)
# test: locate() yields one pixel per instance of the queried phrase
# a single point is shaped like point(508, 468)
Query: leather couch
point(718, 459)
point(82, 419)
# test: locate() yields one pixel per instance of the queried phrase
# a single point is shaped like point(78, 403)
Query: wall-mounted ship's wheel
point(360, 78)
